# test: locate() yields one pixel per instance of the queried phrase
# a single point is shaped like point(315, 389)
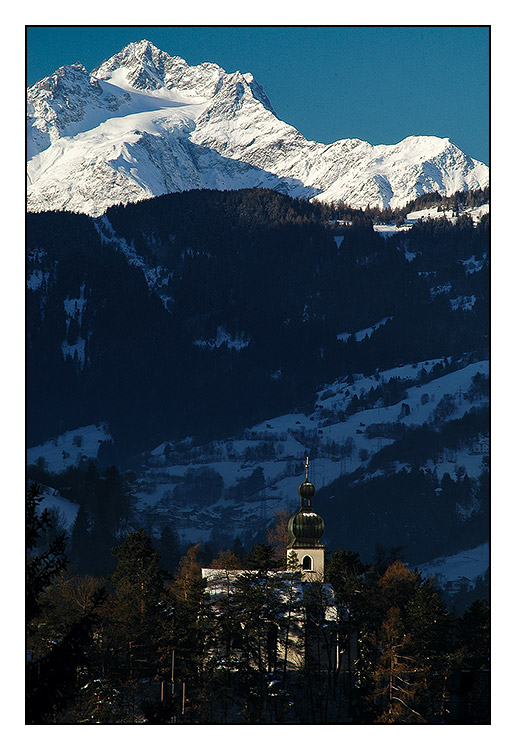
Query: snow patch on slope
point(362, 334)
point(69, 448)
point(464, 567)
point(278, 446)
point(65, 510)
point(237, 342)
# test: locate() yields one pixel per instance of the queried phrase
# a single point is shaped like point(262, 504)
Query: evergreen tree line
point(423, 515)
point(146, 645)
point(340, 211)
point(250, 262)
point(105, 515)
point(396, 501)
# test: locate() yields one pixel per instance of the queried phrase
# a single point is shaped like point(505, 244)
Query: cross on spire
point(307, 466)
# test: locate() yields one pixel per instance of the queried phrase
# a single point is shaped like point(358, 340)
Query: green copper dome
point(306, 490)
point(306, 527)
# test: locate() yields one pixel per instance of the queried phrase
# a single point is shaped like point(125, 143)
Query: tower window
point(307, 562)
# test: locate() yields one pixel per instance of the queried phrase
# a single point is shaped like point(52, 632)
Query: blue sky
point(380, 84)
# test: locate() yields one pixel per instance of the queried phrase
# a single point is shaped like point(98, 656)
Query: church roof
point(306, 527)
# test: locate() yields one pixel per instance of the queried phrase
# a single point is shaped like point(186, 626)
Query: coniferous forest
point(172, 270)
point(149, 645)
point(121, 627)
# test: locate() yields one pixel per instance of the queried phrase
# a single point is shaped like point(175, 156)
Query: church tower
point(306, 529)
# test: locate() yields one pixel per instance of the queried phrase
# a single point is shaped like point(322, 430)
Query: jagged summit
point(148, 68)
point(145, 123)
point(144, 63)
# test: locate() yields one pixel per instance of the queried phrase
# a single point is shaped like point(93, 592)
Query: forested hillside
point(143, 315)
point(184, 355)
point(186, 325)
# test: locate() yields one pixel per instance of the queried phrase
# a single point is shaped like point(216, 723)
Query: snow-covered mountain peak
point(65, 81)
point(258, 91)
point(141, 65)
point(145, 122)
point(58, 100)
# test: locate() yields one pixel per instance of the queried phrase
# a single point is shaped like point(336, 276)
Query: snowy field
point(65, 510)
point(70, 448)
point(287, 435)
point(278, 446)
point(387, 230)
point(464, 567)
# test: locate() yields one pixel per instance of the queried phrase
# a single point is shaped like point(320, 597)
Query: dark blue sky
point(380, 84)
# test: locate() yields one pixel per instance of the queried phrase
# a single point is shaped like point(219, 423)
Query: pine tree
point(116, 498)
point(81, 541)
point(474, 637)
point(138, 578)
point(408, 635)
point(348, 576)
point(169, 548)
point(191, 629)
point(54, 677)
point(44, 566)
point(290, 634)
point(258, 607)
point(224, 638)
point(261, 557)
point(54, 680)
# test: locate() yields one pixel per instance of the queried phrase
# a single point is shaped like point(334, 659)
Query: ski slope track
point(145, 123)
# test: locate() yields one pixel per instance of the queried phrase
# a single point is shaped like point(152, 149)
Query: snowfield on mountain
point(145, 123)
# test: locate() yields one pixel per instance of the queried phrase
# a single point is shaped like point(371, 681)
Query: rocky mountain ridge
point(145, 123)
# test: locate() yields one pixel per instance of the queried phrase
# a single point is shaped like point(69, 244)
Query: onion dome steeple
point(306, 527)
